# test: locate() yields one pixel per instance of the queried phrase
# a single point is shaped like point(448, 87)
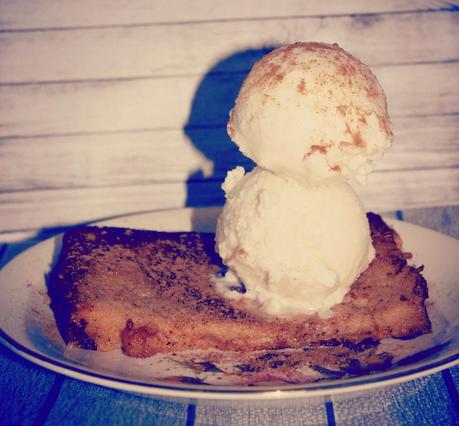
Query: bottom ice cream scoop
point(297, 248)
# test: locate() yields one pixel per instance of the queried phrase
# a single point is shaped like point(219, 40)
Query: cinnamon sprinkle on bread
point(150, 292)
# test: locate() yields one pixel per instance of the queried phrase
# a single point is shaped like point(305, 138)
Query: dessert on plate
point(150, 292)
point(295, 262)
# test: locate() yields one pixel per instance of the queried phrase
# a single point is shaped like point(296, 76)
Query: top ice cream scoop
point(312, 111)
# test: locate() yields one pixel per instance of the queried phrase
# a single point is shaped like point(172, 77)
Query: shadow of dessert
point(206, 126)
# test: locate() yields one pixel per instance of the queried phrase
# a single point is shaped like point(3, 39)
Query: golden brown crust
point(151, 292)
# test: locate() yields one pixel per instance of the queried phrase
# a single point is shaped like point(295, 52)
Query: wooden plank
point(136, 158)
point(407, 96)
point(120, 105)
point(32, 14)
point(142, 51)
point(110, 159)
point(28, 210)
point(421, 401)
point(410, 189)
point(83, 403)
point(426, 133)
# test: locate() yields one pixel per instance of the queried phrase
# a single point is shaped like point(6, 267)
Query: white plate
point(28, 327)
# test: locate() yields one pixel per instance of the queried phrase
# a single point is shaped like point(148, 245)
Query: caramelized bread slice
point(151, 292)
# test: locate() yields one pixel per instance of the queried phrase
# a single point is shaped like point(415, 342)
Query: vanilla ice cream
point(296, 247)
point(312, 111)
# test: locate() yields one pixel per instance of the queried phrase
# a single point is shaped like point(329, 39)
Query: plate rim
point(362, 383)
point(212, 392)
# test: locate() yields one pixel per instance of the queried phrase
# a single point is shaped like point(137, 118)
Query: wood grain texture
point(28, 210)
point(422, 401)
point(133, 158)
point(27, 14)
point(388, 191)
point(50, 208)
point(85, 107)
point(142, 171)
point(143, 52)
point(82, 403)
point(110, 114)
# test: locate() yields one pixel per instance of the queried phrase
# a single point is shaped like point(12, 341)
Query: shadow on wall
point(206, 126)
point(206, 130)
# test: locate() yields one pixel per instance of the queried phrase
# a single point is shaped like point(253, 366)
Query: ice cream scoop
point(296, 247)
point(312, 111)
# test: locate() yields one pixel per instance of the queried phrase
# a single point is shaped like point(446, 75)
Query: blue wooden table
point(33, 395)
